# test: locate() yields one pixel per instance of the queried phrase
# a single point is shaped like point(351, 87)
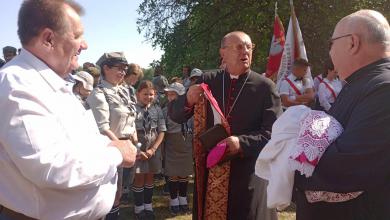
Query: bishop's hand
point(195, 92)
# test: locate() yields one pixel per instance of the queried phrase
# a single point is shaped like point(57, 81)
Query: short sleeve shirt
point(154, 121)
point(113, 109)
point(286, 88)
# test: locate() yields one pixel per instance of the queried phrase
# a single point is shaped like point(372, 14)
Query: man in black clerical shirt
point(359, 159)
point(251, 105)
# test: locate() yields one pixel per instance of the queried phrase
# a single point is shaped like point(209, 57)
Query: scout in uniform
point(178, 156)
point(113, 110)
point(150, 124)
point(329, 88)
point(295, 89)
point(83, 87)
point(9, 53)
point(134, 73)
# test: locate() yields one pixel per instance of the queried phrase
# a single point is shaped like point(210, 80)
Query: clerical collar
point(233, 76)
point(241, 76)
point(227, 114)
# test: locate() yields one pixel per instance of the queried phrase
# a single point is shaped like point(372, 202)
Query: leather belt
point(13, 215)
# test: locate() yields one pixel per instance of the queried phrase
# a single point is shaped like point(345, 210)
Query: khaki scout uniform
point(149, 123)
point(113, 109)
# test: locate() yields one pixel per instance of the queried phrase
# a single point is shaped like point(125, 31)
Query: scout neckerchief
point(123, 97)
point(146, 122)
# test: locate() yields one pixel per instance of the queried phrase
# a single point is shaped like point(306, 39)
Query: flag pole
point(276, 8)
point(294, 21)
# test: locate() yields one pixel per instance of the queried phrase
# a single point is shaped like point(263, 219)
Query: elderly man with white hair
point(358, 160)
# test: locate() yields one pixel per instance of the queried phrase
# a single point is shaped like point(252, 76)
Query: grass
point(161, 204)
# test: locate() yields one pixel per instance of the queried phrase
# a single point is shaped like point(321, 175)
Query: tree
point(189, 31)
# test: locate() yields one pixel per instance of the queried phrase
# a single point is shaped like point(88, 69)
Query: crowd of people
point(75, 141)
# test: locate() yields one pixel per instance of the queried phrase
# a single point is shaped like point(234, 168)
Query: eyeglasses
point(336, 38)
point(239, 47)
point(121, 68)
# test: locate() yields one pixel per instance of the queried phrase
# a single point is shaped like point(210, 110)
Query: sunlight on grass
point(161, 204)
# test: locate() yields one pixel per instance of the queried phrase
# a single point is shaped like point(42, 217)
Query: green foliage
point(189, 31)
point(148, 74)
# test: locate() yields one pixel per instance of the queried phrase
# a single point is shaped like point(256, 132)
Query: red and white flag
point(293, 48)
point(276, 50)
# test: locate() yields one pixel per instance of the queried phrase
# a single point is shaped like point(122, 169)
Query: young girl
point(150, 125)
point(329, 88)
point(178, 156)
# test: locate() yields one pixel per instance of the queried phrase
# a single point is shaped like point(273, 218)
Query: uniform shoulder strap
point(293, 86)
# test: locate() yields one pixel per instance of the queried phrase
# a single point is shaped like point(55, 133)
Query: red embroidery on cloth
point(318, 130)
point(323, 196)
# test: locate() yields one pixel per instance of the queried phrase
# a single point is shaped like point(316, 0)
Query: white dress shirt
point(286, 88)
point(54, 164)
point(325, 95)
point(316, 82)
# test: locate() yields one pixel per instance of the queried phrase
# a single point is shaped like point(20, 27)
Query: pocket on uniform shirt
point(154, 122)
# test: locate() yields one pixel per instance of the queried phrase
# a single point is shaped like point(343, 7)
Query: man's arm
point(284, 91)
point(181, 109)
point(307, 97)
point(43, 150)
point(287, 102)
point(359, 158)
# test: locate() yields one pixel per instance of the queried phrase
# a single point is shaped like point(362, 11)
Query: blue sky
point(108, 26)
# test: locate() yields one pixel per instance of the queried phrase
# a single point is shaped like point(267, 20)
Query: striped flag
point(293, 48)
point(276, 50)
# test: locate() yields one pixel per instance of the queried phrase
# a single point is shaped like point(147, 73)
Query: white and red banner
point(276, 50)
point(293, 48)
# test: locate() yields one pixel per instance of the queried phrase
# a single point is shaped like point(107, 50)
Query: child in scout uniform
point(178, 156)
point(150, 124)
point(329, 88)
point(296, 89)
point(113, 110)
point(83, 87)
point(134, 73)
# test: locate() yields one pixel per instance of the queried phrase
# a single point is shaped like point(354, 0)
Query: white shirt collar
point(292, 77)
point(53, 79)
point(234, 76)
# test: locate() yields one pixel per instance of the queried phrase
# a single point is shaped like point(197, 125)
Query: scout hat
point(112, 58)
point(176, 87)
point(85, 78)
point(9, 49)
point(196, 72)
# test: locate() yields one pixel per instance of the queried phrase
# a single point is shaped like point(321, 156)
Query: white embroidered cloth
point(299, 138)
point(317, 131)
